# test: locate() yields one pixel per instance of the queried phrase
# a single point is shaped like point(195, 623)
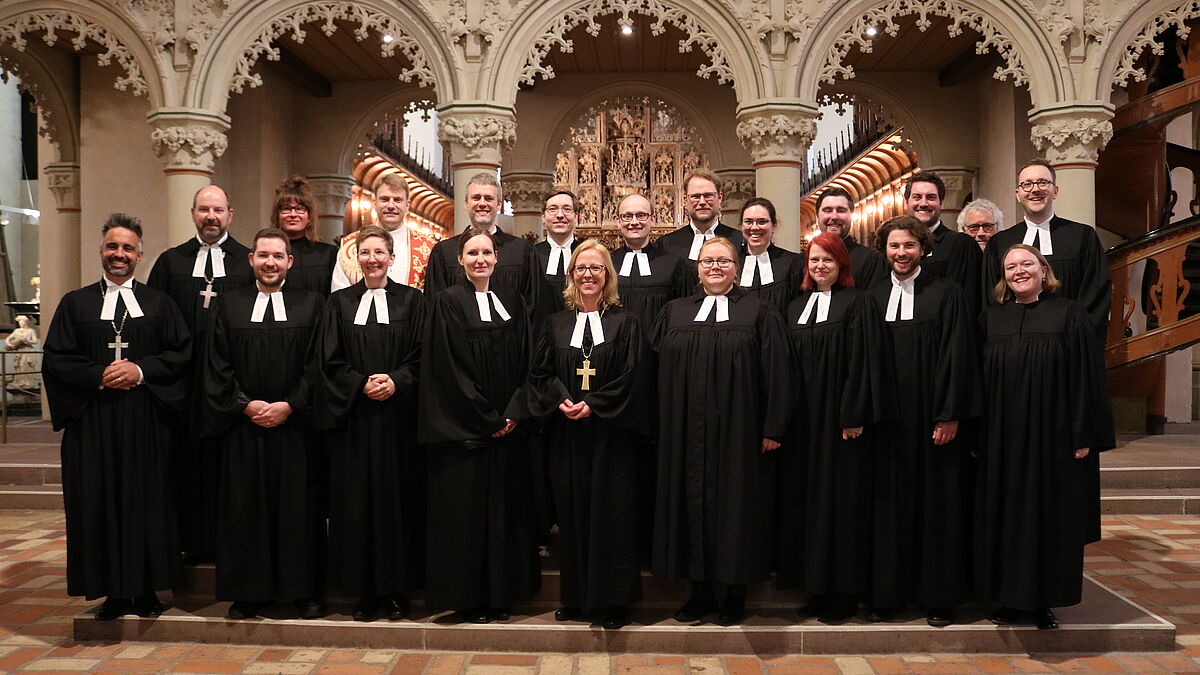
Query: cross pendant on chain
point(117, 346)
point(208, 294)
point(587, 372)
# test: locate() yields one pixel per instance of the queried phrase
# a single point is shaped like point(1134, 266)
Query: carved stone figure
point(23, 365)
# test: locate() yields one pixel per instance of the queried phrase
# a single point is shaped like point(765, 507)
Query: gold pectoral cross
point(587, 372)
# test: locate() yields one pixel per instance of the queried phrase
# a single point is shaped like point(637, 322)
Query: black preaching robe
point(723, 388)
point(787, 268)
point(922, 523)
point(376, 469)
point(312, 265)
point(679, 242)
point(1078, 262)
point(481, 523)
point(594, 461)
point(122, 537)
point(550, 286)
point(844, 366)
point(867, 266)
point(198, 461)
point(956, 256)
point(269, 525)
point(513, 272)
point(670, 277)
point(1047, 396)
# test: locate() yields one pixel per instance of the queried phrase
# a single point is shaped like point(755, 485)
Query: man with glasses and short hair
point(648, 277)
point(702, 199)
point(560, 215)
point(981, 219)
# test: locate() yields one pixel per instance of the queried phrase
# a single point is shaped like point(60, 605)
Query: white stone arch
point(359, 130)
point(708, 24)
point(56, 100)
point(1030, 57)
point(122, 41)
point(1137, 33)
point(251, 33)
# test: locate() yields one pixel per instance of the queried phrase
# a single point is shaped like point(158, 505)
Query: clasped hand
point(268, 414)
point(379, 387)
point(122, 374)
point(575, 411)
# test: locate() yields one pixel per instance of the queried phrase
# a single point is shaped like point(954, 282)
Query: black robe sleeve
point(223, 397)
point(1092, 424)
point(957, 392)
point(869, 395)
point(437, 277)
point(539, 398)
point(1095, 284)
point(336, 384)
point(775, 357)
point(406, 376)
point(623, 400)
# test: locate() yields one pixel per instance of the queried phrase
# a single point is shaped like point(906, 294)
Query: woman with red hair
point(839, 347)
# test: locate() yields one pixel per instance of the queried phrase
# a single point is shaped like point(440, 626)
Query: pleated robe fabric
point(270, 527)
point(1046, 396)
point(376, 469)
point(722, 388)
point(312, 265)
point(825, 513)
point(198, 461)
point(787, 269)
point(956, 257)
point(922, 496)
point(867, 266)
point(117, 446)
point(594, 461)
point(670, 277)
point(481, 550)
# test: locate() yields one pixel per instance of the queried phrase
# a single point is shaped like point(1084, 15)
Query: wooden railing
point(1156, 294)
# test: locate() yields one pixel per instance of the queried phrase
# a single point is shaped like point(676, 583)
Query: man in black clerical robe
point(115, 352)
point(514, 255)
point(647, 276)
point(922, 501)
point(195, 273)
point(955, 255)
point(257, 404)
point(702, 201)
point(552, 256)
point(834, 214)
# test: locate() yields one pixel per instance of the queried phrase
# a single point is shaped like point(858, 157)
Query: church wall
point(11, 191)
point(119, 170)
point(1003, 144)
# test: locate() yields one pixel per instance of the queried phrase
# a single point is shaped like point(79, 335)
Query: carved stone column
point(333, 192)
point(476, 134)
point(1071, 137)
point(527, 191)
point(59, 237)
point(777, 132)
point(188, 141)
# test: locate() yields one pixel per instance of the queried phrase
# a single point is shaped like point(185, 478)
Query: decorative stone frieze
point(774, 133)
point(188, 140)
point(1072, 135)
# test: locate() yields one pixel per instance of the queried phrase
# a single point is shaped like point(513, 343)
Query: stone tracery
point(54, 23)
point(1176, 18)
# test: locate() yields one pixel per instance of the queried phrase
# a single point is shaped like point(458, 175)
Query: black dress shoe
point(367, 608)
point(310, 608)
point(880, 614)
point(148, 606)
point(1005, 616)
point(113, 608)
point(498, 613)
point(733, 610)
point(700, 604)
point(395, 607)
point(939, 617)
point(1044, 619)
point(816, 606)
point(567, 613)
point(475, 615)
point(613, 618)
point(243, 610)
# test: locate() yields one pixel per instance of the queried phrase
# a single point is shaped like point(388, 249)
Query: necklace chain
point(124, 313)
point(587, 351)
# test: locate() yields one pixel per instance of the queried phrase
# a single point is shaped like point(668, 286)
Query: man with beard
point(412, 248)
point(920, 488)
point(514, 255)
point(194, 273)
point(115, 352)
point(955, 256)
point(551, 257)
point(834, 213)
point(257, 398)
point(702, 200)
point(981, 219)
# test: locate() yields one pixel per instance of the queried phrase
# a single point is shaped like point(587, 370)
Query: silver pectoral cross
point(208, 294)
point(587, 372)
point(117, 346)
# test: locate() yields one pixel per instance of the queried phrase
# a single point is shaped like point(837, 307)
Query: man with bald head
point(648, 277)
point(193, 274)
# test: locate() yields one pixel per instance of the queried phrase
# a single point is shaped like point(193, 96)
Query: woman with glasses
point(840, 347)
point(767, 271)
point(589, 382)
point(481, 549)
point(724, 406)
point(296, 214)
point(1048, 411)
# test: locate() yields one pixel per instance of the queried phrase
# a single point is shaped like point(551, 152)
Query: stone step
point(1165, 501)
point(31, 474)
point(43, 497)
point(1103, 622)
point(1149, 477)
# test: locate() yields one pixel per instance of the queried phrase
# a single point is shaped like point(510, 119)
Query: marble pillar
point(188, 141)
point(476, 133)
point(777, 132)
point(333, 193)
point(527, 191)
point(1070, 137)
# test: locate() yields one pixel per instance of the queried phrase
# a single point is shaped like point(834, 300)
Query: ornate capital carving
point(1072, 135)
point(775, 133)
point(527, 190)
point(188, 140)
point(476, 135)
point(63, 180)
point(333, 192)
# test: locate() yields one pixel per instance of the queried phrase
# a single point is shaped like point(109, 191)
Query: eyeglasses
point(1026, 266)
point(630, 217)
point(702, 197)
point(1028, 185)
point(294, 208)
point(761, 222)
point(565, 210)
point(985, 227)
point(717, 262)
point(594, 269)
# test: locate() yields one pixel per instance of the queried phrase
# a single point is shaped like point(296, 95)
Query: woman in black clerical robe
point(768, 271)
point(296, 214)
point(482, 554)
point(1047, 410)
point(367, 350)
point(589, 382)
point(841, 352)
point(724, 406)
